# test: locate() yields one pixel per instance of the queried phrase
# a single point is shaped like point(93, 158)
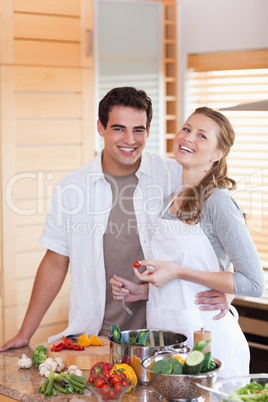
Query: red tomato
point(91, 380)
point(118, 385)
point(100, 382)
point(125, 383)
point(123, 375)
point(115, 378)
point(106, 374)
point(136, 264)
point(105, 386)
point(111, 394)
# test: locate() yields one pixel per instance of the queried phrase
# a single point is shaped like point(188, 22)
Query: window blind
point(248, 159)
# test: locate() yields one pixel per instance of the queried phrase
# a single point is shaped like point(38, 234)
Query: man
point(100, 220)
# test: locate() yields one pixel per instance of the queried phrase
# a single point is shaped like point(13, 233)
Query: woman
point(200, 233)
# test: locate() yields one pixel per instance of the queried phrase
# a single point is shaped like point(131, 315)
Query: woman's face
point(196, 143)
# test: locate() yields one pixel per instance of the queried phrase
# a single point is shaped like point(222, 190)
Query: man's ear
point(148, 130)
point(100, 128)
point(217, 156)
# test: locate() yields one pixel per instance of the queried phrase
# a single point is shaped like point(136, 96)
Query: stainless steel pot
point(133, 355)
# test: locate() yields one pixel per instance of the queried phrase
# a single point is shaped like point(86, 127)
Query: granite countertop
point(23, 384)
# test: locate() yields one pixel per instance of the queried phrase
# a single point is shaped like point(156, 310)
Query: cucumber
point(207, 362)
point(193, 362)
point(201, 345)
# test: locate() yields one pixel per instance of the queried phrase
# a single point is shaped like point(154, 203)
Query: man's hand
point(16, 342)
point(131, 291)
point(213, 300)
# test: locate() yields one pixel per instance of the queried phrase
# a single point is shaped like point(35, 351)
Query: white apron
point(172, 307)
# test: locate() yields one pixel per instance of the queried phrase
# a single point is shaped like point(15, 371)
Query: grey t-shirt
point(223, 223)
point(122, 247)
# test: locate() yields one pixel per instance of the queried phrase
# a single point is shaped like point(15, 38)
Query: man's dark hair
point(128, 97)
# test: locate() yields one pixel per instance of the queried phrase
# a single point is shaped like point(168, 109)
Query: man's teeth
point(183, 148)
point(127, 149)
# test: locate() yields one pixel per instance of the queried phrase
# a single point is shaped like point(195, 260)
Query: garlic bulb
point(25, 362)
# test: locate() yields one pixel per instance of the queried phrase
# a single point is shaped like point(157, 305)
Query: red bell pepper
point(101, 367)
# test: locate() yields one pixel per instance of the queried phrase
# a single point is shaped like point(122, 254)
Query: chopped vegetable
point(66, 344)
point(251, 392)
point(85, 341)
point(141, 338)
point(39, 355)
point(116, 334)
point(201, 345)
point(193, 363)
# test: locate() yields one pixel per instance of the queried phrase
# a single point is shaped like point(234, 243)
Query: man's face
point(124, 140)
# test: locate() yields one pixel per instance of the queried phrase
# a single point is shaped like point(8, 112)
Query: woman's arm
point(230, 231)
point(167, 271)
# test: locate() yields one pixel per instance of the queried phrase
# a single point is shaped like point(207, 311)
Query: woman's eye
point(203, 136)
point(186, 129)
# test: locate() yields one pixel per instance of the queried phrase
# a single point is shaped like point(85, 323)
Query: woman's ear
point(217, 156)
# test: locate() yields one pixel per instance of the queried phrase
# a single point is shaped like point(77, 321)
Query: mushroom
point(25, 362)
point(44, 369)
point(60, 364)
point(74, 370)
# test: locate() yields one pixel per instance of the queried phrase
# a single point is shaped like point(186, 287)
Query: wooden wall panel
point(47, 79)
point(44, 27)
point(41, 158)
point(48, 105)
point(62, 7)
point(47, 130)
point(30, 52)
point(54, 132)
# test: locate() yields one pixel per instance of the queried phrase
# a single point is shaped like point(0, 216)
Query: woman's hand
point(158, 273)
point(131, 291)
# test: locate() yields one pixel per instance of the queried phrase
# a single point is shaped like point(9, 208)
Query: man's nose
point(128, 137)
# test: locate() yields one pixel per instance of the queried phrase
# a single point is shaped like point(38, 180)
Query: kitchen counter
point(23, 384)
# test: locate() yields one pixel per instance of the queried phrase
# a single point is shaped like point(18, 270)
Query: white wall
point(218, 25)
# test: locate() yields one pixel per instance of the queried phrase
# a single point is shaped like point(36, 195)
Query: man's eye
point(139, 131)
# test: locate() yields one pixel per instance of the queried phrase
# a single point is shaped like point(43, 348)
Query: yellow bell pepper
point(128, 371)
point(85, 341)
point(180, 359)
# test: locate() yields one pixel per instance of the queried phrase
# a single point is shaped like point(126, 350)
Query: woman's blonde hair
point(194, 197)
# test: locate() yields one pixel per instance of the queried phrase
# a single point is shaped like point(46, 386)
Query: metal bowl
point(180, 386)
point(133, 355)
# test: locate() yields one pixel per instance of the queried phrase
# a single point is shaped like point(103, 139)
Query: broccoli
point(162, 366)
point(39, 355)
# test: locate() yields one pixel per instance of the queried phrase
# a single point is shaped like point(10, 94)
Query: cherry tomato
point(91, 380)
point(136, 264)
point(111, 394)
point(105, 385)
point(100, 382)
point(123, 375)
point(125, 383)
point(106, 374)
point(115, 378)
point(118, 385)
